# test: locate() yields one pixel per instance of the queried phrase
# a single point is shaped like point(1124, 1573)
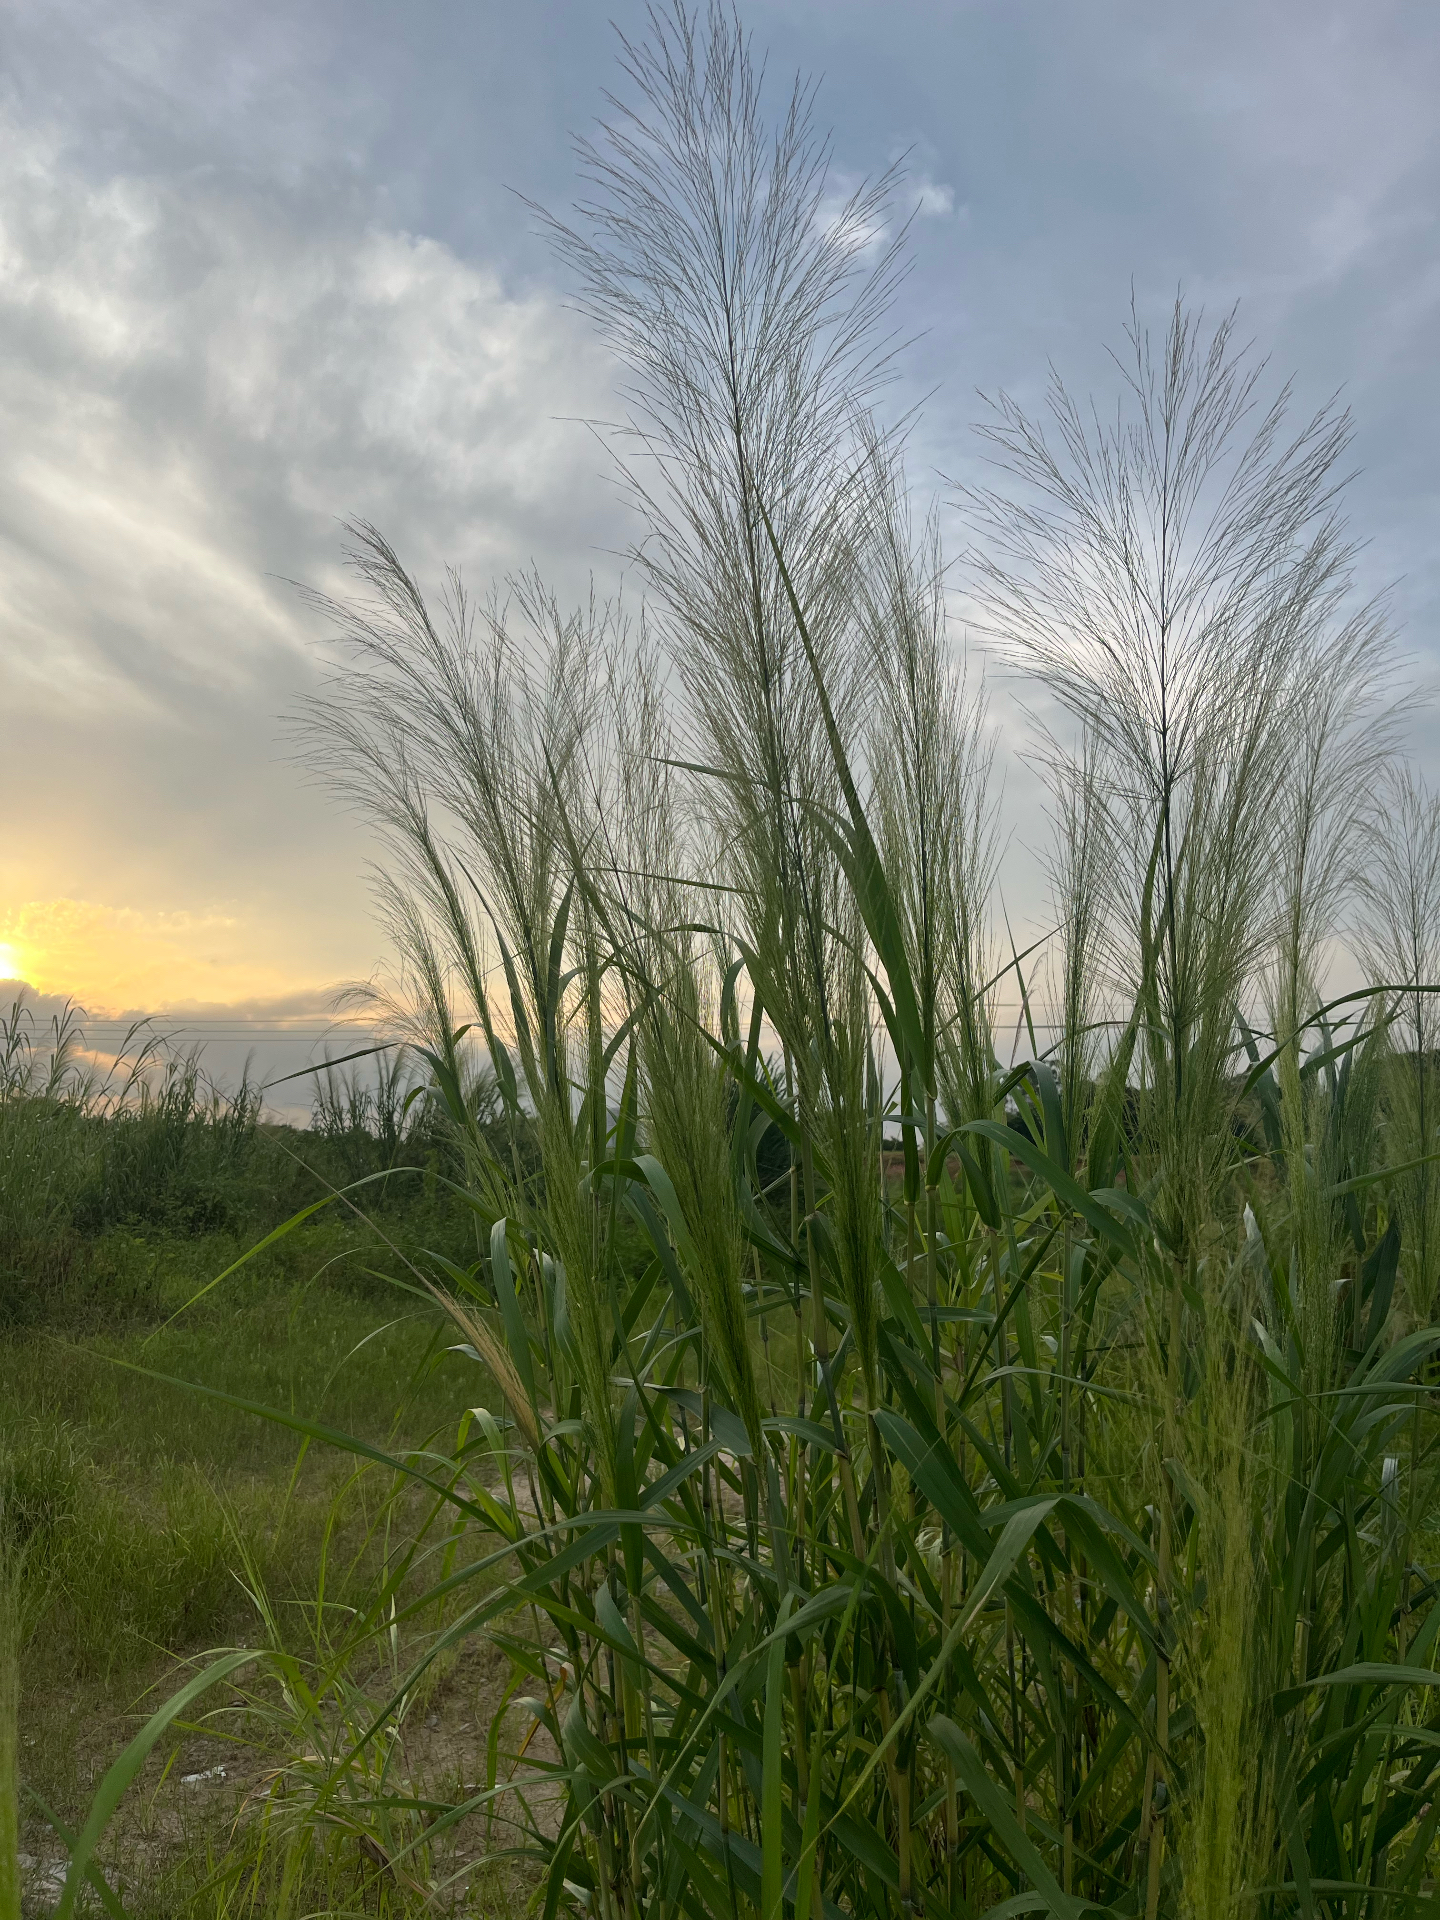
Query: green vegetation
point(131, 1529)
point(894, 1480)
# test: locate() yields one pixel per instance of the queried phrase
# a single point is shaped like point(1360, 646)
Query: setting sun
point(108, 958)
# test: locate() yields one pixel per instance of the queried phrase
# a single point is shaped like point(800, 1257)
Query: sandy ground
point(193, 1790)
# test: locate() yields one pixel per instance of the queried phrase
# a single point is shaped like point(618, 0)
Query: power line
point(221, 1026)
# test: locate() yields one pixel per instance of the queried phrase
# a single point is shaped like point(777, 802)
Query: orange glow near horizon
point(119, 959)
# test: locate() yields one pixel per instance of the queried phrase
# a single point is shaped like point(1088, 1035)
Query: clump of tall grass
point(90, 1144)
point(48, 1087)
point(1038, 1524)
point(16, 1607)
point(1399, 937)
point(94, 1156)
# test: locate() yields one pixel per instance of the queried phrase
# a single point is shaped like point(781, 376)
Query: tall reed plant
point(1029, 1516)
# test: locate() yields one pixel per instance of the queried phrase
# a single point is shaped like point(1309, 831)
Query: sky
point(267, 267)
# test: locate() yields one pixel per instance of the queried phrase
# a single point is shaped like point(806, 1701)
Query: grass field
point(149, 1517)
point(778, 1446)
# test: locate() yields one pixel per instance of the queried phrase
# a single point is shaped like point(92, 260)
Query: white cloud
point(197, 376)
point(836, 216)
point(202, 370)
point(219, 332)
point(933, 199)
point(917, 193)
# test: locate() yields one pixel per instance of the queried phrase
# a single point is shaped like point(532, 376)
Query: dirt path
point(195, 1793)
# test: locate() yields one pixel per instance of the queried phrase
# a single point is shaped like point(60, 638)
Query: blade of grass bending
point(1015, 1537)
point(1069, 1192)
point(109, 1899)
point(1368, 1673)
point(872, 891)
point(311, 1428)
point(772, 1862)
point(638, 1199)
point(278, 1233)
point(323, 1066)
point(1025, 1013)
point(982, 1191)
point(983, 1790)
point(752, 1083)
point(810, 1833)
point(1362, 1180)
point(1345, 1000)
point(112, 1788)
point(1378, 1273)
point(288, 1226)
point(448, 1081)
point(516, 1337)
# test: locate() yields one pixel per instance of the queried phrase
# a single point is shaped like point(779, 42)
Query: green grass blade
point(976, 1779)
point(772, 1866)
point(122, 1771)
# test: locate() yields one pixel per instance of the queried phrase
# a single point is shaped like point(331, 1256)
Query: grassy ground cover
point(143, 1524)
point(897, 1468)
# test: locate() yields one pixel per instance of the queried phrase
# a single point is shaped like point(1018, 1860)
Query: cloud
point(933, 199)
point(116, 958)
point(836, 217)
point(196, 378)
point(201, 371)
point(927, 199)
point(257, 271)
